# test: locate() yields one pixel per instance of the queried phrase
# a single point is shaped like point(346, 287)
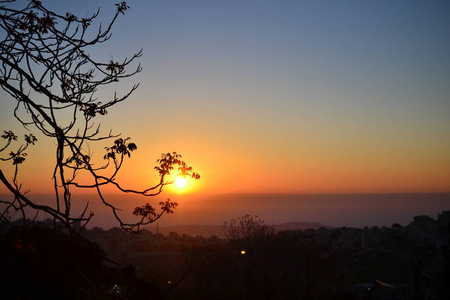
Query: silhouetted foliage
point(47, 70)
point(275, 265)
point(297, 264)
point(248, 231)
point(41, 263)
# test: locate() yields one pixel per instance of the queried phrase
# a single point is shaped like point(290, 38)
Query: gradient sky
point(279, 96)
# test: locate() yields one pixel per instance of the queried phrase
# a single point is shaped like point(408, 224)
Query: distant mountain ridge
point(210, 230)
point(336, 210)
point(300, 226)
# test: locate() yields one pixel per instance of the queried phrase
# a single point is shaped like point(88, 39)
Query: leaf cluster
point(18, 156)
point(32, 23)
point(148, 212)
point(169, 160)
point(121, 147)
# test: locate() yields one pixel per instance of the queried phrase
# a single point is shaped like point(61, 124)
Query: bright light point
point(180, 182)
point(243, 252)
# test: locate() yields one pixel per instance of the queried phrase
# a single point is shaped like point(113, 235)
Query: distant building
point(424, 230)
point(372, 237)
point(444, 225)
point(444, 220)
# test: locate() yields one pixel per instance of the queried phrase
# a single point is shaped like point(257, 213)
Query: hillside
point(210, 230)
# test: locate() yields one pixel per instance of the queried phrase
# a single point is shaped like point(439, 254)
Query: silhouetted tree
point(47, 70)
point(248, 231)
point(265, 268)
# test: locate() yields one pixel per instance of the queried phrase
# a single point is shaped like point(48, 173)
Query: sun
point(180, 182)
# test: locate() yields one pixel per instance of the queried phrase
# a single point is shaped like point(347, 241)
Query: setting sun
point(180, 182)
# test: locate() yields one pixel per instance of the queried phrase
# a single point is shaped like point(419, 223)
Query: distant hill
point(337, 210)
point(300, 226)
point(192, 230)
point(210, 230)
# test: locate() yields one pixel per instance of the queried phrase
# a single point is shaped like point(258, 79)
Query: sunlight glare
point(180, 182)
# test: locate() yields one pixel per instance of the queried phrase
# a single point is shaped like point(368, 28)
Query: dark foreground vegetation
point(411, 262)
point(37, 262)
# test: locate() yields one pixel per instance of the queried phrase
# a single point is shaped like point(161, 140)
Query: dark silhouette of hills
point(300, 226)
point(210, 230)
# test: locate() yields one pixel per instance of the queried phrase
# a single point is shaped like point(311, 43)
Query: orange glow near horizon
point(228, 172)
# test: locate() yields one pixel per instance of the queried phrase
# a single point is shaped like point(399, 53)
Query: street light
point(243, 274)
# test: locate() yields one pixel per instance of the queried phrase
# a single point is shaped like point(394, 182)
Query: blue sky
point(351, 96)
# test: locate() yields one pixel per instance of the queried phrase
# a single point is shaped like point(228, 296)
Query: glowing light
point(180, 182)
point(243, 252)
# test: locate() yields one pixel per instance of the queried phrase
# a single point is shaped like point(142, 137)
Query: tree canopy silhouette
point(248, 232)
point(47, 70)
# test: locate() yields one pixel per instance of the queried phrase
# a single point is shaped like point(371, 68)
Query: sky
point(277, 96)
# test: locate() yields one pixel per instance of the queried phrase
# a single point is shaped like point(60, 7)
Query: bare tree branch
point(46, 68)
